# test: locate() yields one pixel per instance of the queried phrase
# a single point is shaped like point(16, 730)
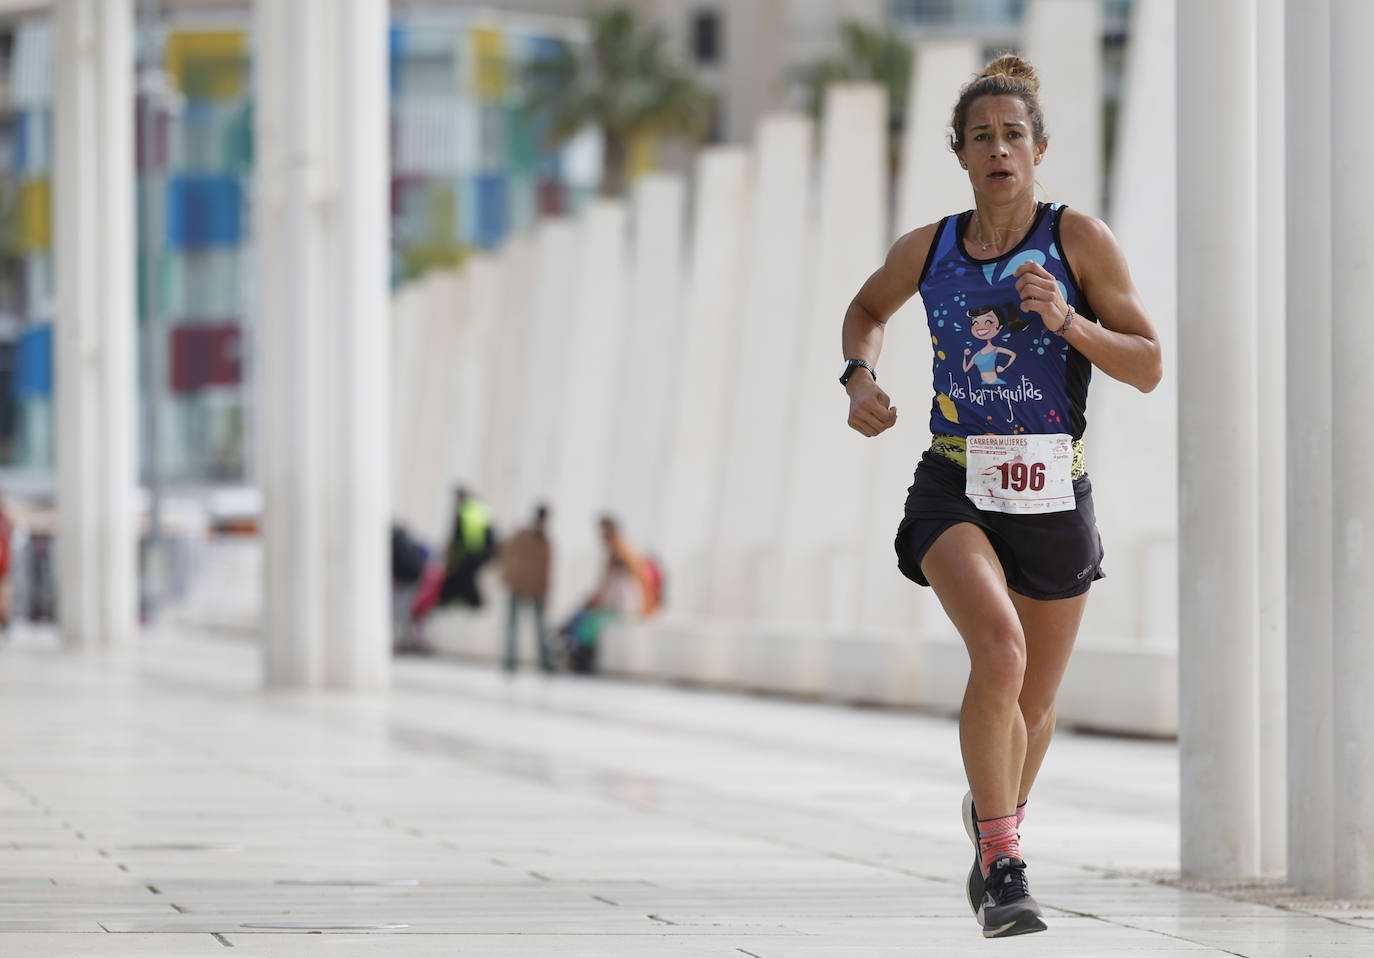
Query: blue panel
point(203, 211)
point(542, 48)
point(492, 209)
point(19, 162)
point(33, 363)
point(551, 165)
point(397, 45)
point(467, 198)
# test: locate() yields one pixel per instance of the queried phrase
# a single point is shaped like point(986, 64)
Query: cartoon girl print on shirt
point(988, 321)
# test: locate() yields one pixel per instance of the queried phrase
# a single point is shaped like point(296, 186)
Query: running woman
point(999, 518)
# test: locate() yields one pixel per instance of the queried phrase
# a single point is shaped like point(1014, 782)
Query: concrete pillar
point(1271, 460)
point(931, 183)
point(507, 386)
point(359, 603)
point(1218, 501)
point(94, 242)
point(321, 181)
point(1063, 41)
point(406, 315)
point(546, 364)
point(886, 600)
point(290, 344)
point(827, 478)
point(1352, 462)
point(1308, 443)
point(431, 379)
point(756, 463)
point(1138, 514)
point(647, 381)
point(586, 416)
point(471, 374)
point(709, 373)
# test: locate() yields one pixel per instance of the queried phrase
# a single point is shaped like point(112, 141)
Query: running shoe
point(975, 874)
point(1008, 908)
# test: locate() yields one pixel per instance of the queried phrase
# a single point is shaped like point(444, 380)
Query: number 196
point(1017, 477)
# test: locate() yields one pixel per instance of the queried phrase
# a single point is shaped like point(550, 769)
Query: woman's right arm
point(896, 281)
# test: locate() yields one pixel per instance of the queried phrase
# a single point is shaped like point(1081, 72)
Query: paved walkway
point(160, 804)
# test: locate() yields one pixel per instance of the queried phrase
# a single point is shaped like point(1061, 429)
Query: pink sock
point(997, 838)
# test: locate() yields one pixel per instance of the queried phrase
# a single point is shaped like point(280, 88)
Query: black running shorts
point(1050, 555)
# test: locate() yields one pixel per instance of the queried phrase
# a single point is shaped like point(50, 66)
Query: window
point(706, 37)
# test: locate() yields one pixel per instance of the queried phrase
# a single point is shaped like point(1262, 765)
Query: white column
point(827, 480)
point(322, 346)
point(1271, 462)
point(1064, 43)
point(508, 343)
point(756, 462)
point(647, 381)
point(709, 372)
point(436, 364)
point(1310, 677)
point(406, 316)
point(1352, 464)
point(360, 618)
point(931, 184)
point(554, 279)
point(586, 415)
point(472, 375)
point(289, 63)
point(1218, 501)
point(1138, 514)
point(94, 240)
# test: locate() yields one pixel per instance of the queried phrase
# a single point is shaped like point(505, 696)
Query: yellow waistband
point(955, 449)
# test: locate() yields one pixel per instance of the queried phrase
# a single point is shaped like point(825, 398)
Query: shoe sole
point(974, 885)
point(1026, 923)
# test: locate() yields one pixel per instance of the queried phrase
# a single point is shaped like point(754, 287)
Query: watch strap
point(852, 364)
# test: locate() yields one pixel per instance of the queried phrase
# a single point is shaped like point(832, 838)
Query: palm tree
point(624, 84)
point(871, 55)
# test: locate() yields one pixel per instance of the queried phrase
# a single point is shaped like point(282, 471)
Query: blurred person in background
point(409, 559)
point(525, 562)
point(999, 520)
point(471, 545)
point(630, 587)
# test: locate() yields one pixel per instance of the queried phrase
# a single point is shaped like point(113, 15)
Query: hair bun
point(1011, 65)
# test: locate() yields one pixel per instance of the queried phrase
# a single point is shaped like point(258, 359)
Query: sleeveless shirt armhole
point(930, 254)
point(1079, 295)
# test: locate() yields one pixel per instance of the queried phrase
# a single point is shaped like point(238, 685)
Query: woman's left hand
point(1040, 294)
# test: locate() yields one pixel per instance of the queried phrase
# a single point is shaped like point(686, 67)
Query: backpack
point(655, 582)
point(408, 557)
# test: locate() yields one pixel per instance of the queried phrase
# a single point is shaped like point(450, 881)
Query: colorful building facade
point(469, 167)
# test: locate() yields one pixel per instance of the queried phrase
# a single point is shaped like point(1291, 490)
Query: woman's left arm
point(1125, 346)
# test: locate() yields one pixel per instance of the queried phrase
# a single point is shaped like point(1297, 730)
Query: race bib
point(1028, 473)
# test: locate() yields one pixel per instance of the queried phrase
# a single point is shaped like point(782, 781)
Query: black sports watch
point(852, 364)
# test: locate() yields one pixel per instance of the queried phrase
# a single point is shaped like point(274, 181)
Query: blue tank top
point(997, 370)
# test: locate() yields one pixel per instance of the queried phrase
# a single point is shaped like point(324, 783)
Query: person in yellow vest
point(471, 545)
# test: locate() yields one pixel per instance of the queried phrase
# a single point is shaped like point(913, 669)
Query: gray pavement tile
point(103, 945)
point(1277, 936)
point(551, 818)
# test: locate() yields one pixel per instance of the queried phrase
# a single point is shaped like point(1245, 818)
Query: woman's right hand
point(870, 410)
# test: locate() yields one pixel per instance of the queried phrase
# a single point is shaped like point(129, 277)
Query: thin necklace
point(1002, 229)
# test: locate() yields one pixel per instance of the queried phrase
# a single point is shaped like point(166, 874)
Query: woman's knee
point(1000, 662)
